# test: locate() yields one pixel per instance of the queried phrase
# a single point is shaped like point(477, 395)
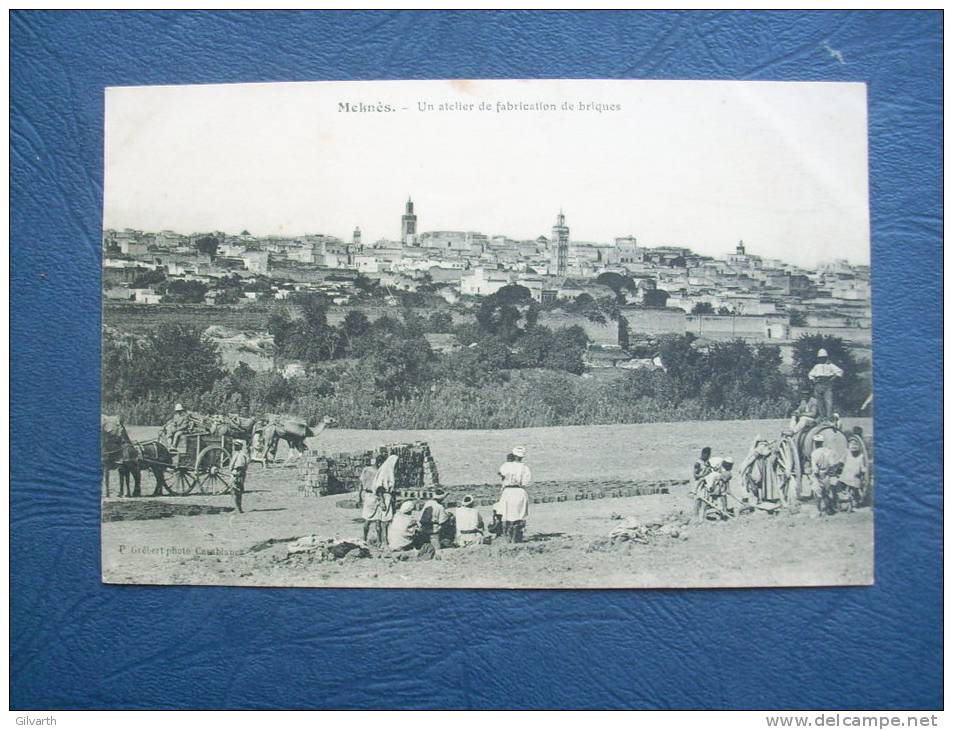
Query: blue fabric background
point(78, 644)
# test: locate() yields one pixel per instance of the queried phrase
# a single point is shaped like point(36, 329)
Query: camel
point(275, 430)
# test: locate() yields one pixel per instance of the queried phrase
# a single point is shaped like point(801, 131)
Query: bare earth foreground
point(204, 541)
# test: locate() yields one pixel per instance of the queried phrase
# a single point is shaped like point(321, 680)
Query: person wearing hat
point(434, 519)
point(513, 506)
point(513, 471)
point(853, 477)
point(402, 530)
point(238, 466)
point(806, 414)
point(470, 527)
point(713, 488)
point(824, 468)
point(177, 425)
point(823, 375)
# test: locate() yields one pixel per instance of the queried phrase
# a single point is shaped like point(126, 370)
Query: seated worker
point(470, 527)
point(805, 415)
point(179, 424)
point(713, 490)
point(402, 530)
point(433, 517)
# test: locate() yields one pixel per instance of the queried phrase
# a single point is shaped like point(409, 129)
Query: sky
point(780, 165)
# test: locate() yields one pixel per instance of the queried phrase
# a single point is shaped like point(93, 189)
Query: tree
point(148, 278)
point(440, 321)
point(703, 308)
point(655, 298)
point(850, 390)
point(508, 313)
point(171, 361)
point(512, 294)
point(682, 362)
point(207, 244)
point(182, 291)
point(619, 283)
point(355, 325)
point(309, 338)
point(400, 365)
point(414, 324)
point(797, 318)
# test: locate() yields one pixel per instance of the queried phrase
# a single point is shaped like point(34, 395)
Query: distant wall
point(720, 326)
point(654, 321)
point(142, 317)
point(601, 334)
point(856, 335)
point(248, 317)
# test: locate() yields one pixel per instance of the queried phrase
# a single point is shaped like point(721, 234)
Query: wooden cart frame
point(200, 465)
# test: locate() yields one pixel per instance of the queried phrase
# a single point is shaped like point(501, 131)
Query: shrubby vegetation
point(508, 372)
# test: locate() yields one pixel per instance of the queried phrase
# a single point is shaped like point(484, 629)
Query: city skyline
point(693, 164)
point(561, 218)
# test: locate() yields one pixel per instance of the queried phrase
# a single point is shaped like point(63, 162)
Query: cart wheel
point(212, 475)
point(181, 483)
point(787, 470)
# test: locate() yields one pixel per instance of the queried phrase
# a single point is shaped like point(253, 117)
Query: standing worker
point(385, 491)
point(702, 467)
point(712, 491)
point(823, 375)
point(370, 504)
point(238, 466)
point(853, 478)
point(825, 468)
point(513, 506)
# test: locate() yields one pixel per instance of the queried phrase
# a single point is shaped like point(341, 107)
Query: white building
point(480, 282)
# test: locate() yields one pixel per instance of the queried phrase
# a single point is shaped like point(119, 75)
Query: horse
point(129, 472)
point(157, 458)
point(113, 440)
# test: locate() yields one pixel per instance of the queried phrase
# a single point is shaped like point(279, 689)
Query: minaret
point(356, 237)
point(559, 246)
point(408, 225)
point(740, 249)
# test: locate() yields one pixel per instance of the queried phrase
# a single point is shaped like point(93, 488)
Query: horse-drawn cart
point(198, 465)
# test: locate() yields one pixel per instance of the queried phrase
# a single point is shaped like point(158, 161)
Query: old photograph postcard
point(502, 334)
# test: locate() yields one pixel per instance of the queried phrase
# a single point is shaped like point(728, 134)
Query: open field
point(199, 540)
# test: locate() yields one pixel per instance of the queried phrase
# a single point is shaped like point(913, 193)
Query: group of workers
point(832, 480)
point(396, 528)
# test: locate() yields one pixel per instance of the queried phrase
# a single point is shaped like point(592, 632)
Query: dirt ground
point(200, 540)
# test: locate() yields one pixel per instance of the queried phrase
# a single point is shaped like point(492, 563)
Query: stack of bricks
point(339, 473)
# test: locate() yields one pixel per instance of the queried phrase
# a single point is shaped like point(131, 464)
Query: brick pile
point(339, 473)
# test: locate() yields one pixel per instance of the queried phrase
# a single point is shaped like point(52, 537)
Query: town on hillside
point(236, 281)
